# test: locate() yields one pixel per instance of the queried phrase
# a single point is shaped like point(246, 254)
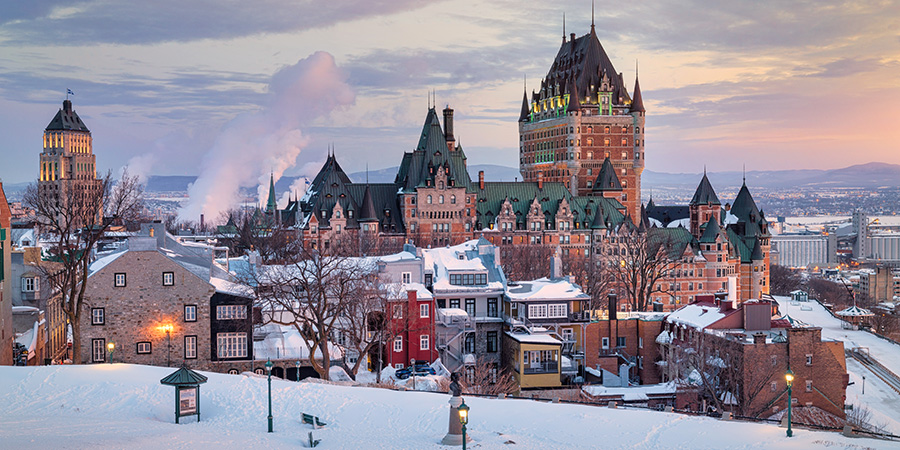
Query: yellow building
point(533, 359)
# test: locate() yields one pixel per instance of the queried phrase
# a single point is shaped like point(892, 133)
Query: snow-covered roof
point(400, 290)
point(697, 315)
point(285, 342)
point(99, 264)
point(630, 393)
point(227, 287)
point(546, 289)
point(464, 258)
point(527, 338)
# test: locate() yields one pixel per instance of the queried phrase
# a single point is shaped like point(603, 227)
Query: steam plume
point(269, 140)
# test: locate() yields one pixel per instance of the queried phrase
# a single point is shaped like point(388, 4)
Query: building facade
point(6, 322)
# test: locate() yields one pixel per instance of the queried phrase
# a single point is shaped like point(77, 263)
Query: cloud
point(268, 141)
point(111, 21)
point(845, 67)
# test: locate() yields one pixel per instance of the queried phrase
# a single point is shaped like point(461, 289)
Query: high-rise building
point(68, 172)
point(581, 116)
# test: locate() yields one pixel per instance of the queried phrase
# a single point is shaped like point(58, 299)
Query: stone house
point(162, 302)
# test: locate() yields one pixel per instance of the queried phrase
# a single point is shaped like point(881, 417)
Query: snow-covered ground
point(124, 407)
point(880, 399)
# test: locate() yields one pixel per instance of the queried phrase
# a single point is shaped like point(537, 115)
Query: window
point(119, 280)
point(424, 342)
point(398, 366)
point(537, 311)
point(604, 342)
point(492, 307)
point(398, 344)
point(231, 312)
point(98, 316)
point(620, 341)
point(492, 342)
point(398, 311)
point(452, 199)
point(168, 278)
point(808, 359)
point(774, 386)
point(470, 307)
point(808, 385)
point(143, 348)
point(454, 303)
point(98, 350)
point(428, 199)
point(190, 313)
point(190, 347)
point(640, 342)
point(229, 345)
point(406, 277)
point(233, 372)
point(424, 310)
point(470, 343)
point(30, 284)
point(441, 199)
point(556, 310)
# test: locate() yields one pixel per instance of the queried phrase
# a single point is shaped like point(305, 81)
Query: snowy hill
point(125, 407)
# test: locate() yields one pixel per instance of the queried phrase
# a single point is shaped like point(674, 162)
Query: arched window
point(452, 199)
point(429, 199)
point(441, 199)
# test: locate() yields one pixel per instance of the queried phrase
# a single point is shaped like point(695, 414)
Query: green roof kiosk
point(187, 391)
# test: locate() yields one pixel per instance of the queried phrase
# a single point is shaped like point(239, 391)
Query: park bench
point(312, 420)
point(312, 442)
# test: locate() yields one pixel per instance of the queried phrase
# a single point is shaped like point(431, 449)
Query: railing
point(580, 316)
point(542, 367)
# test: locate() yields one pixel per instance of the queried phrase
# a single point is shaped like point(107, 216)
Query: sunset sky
point(171, 87)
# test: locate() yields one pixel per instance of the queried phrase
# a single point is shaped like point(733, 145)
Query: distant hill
point(871, 175)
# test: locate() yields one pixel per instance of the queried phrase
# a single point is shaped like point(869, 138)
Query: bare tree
point(487, 378)
point(641, 260)
point(594, 276)
point(525, 262)
point(782, 280)
point(312, 292)
point(76, 219)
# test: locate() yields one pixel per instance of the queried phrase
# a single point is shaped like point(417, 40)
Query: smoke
point(139, 166)
point(253, 145)
point(297, 189)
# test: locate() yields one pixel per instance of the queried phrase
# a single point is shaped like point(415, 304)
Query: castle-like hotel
point(581, 153)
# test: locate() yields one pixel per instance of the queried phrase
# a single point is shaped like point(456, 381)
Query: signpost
point(187, 391)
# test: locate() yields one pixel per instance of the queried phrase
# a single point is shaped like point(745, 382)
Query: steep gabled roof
point(705, 194)
point(330, 186)
point(584, 61)
point(711, 232)
point(367, 210)
point(637, 104)
point(67, 119)
point(526, 110)
point(430, 154)
point(607, 180)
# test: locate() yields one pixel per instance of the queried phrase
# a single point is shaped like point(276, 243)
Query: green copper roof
point(711, 232)
point(705, 194)
point(431, 153)
point(607, 179)
point(271, 205)
point(183, 377)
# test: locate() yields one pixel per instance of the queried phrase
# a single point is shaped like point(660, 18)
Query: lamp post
point(463, 419)
point(789, 378)
point(111, 347)
point(864, 385)
point(298, 370)
point(168, 330)
point(269, 370)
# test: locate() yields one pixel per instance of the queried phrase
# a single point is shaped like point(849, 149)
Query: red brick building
point(412, 327)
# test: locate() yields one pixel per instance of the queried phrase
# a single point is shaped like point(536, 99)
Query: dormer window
point(337, 214)
point(350, 214)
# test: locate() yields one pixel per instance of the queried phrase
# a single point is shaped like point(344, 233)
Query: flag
point(69, 92)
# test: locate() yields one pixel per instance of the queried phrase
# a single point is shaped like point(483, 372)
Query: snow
point(631, 393)
point(534, 338)
point(697, 315)
point(125, 407)
point(546, 289)
point(99, 264)
point(230, 288)
point(283, 342)
point(854, 311)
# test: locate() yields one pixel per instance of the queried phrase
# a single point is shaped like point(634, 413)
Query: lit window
point(98, 350)
point(190, 347)
point(228, 345)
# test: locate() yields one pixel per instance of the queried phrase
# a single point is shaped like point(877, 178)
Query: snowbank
point(124, 407)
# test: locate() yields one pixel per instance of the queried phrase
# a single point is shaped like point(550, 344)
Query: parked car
point(418, 368)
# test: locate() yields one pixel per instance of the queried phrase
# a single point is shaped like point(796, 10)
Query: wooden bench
point(312, 420)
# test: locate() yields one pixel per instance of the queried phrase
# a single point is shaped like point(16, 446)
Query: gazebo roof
point(854, 311)
point(183, 377)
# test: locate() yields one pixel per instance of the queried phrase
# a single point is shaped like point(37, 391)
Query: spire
point(637, 103)
point(574, 100)
point(592, 17)
point(705, 194)
point(607, 180)
point(271, 205)
point(564, 27)
point(367, 211)
point(526, 110)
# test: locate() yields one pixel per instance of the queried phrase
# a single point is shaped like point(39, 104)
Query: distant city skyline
point(172, 88)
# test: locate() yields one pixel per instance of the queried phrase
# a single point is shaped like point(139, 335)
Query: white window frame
point(809, 358)
point(98, 316)
point(604, 343)
point(398, 344)
point(30, 284)
point(538, 311)
point(424, 310)
point(98, 350)
point(231, 345)
point(168, 279)
point(557, 310)
point(120, 280)
point(809, 385)
point(231, 312)
point(190, 313)
point(190, 347)
point(406, 277)
point(424, 342)
point(144, 348)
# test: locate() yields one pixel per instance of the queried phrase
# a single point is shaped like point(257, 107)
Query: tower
point(582, 115)
point(68, 173)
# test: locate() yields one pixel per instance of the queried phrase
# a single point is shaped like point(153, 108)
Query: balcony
point(541, 367)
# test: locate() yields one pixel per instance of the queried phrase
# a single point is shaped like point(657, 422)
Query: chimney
point(481, 180)
point(540, 179)
point(759, 338)
point(201, 222)
point(572, 40)
point(613, 306)
point(448, 128)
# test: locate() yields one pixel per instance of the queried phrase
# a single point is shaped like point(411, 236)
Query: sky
point(174, 88)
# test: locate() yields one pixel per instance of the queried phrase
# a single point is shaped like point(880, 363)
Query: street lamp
point(463, 419)
point(298, 370)
point(789, 378)
point(110, 348)
point(168, 329)
point(269, 370)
